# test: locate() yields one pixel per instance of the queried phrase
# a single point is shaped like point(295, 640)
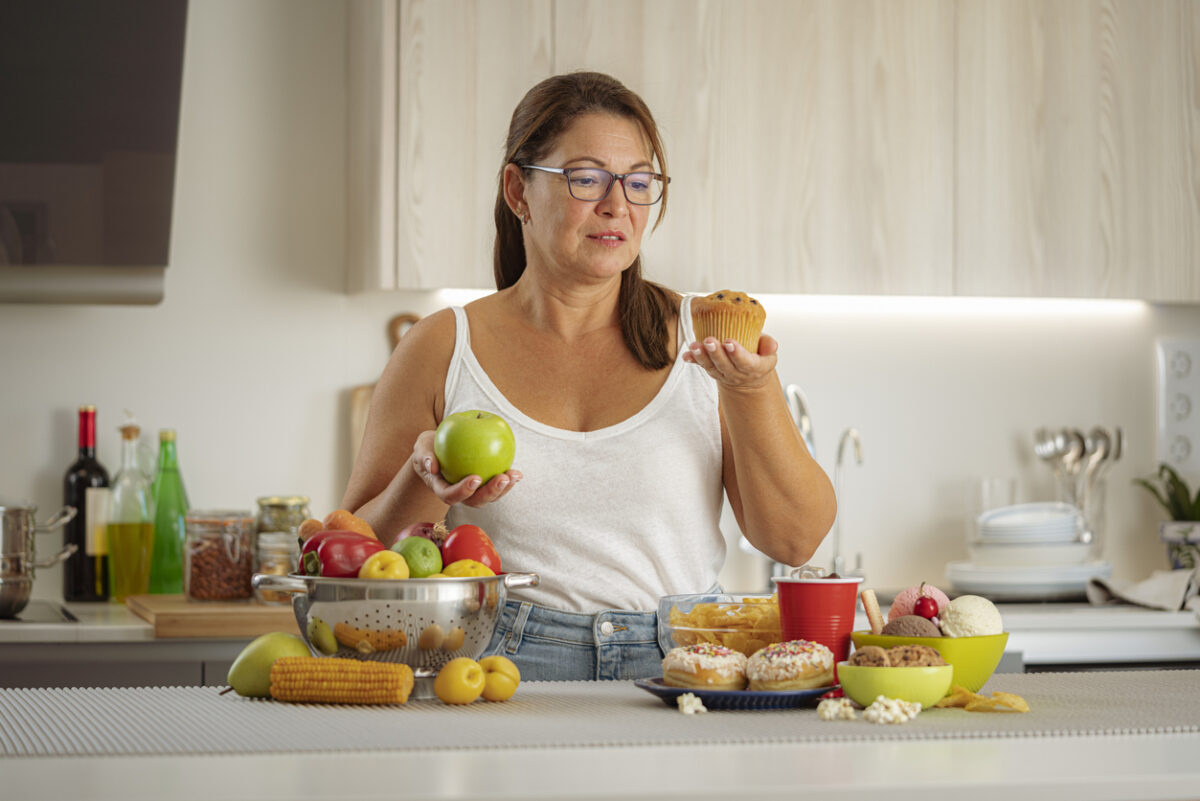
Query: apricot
point(309, 527)
point(341, 520)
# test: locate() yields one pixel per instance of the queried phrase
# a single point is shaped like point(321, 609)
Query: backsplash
point(254, 351)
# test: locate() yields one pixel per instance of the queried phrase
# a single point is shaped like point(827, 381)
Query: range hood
point(90, 91)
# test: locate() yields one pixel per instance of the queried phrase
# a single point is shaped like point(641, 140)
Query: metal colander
point(422, 623)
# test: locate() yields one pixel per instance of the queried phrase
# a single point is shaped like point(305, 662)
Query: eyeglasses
point(593, 184)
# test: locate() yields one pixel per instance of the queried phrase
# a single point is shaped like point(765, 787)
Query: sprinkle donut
point(705, 666)
point(791, 665)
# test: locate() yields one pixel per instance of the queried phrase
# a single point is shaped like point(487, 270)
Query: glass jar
point(281, 513)
point(218, 555)
point(278, 555)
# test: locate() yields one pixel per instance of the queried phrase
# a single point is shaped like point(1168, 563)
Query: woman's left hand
point(731, 365)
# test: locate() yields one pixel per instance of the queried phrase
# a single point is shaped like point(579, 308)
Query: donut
point(705, 666)
point(791, 665)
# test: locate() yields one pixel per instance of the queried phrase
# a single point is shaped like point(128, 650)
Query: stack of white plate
point(1030, 551)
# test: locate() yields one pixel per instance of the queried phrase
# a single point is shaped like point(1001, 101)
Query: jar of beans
point(218, 555)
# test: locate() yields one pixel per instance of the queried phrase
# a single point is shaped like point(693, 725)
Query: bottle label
point(97, 502)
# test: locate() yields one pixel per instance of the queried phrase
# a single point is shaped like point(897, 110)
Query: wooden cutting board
point(176, 616)
point(360, 396)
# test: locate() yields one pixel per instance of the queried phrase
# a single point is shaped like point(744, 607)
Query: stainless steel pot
point(17, 553)
point(423, 623)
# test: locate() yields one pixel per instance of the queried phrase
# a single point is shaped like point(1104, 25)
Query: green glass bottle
point(171, 504)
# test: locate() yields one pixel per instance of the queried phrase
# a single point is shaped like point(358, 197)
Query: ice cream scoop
point(906, 600)
point(971, 616)
point(911, 626)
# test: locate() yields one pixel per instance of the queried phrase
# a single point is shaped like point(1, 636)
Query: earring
point(525, 219)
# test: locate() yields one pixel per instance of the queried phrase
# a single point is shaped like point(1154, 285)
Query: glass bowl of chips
point(974, 658)
point(743, 623)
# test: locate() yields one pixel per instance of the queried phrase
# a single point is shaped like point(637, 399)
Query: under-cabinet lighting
point(875, 305)
point(907, 306)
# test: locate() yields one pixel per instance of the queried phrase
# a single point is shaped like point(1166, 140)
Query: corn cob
point(369, 640)
point(330, 680)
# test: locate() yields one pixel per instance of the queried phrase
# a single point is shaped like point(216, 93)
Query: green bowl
point(924, 685)
point(974, 658)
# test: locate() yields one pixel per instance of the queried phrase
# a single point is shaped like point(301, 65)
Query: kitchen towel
point(1165, 589)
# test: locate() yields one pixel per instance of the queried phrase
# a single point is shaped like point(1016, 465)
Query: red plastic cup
point(821, 610)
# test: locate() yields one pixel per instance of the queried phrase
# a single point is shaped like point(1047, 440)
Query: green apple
point(250, 673)
point(423, 556)
point(473, 443)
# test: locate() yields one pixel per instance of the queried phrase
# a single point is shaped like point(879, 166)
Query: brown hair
point(645, 308)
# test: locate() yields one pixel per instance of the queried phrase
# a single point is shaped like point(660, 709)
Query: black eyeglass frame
point(612, 179)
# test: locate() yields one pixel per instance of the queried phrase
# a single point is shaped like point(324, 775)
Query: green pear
point(250, 673)
point(321, 636)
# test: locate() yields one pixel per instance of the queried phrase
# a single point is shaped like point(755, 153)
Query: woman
point(626, 431)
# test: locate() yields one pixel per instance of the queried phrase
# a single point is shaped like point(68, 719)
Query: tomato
point(312, 567)
point(342, 556)
point(470, 542)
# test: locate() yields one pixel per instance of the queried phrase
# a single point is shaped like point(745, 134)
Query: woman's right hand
point(467, 491)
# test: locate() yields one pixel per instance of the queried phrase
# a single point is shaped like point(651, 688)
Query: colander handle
point(268, 581)
point(521, 580)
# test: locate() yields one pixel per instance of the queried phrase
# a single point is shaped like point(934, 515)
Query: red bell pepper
point(342, 556)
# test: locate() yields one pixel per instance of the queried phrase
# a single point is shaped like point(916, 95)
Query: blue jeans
point(548, 645)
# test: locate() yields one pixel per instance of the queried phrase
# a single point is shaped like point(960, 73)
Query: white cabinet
point(919, 147)
point(433, 84)
point(1078, 149)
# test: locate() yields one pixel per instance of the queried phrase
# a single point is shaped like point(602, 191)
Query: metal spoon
point(1072, 460)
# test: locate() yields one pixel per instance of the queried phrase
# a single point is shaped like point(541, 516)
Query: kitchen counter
point(110, 646)
point(107, 645)
point(1106, 735)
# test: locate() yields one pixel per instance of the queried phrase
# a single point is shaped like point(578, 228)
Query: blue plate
point(736, 699)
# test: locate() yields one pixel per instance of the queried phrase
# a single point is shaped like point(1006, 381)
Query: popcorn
point(891, 710)
point(689, 704)
point(836, 709)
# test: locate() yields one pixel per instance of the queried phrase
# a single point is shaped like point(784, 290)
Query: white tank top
point(613, 518)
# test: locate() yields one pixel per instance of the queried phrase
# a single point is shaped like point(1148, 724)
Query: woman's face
point(580, 238)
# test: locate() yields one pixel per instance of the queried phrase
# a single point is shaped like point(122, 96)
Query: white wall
point(253, 352)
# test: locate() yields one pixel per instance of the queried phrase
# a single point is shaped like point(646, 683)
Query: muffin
point(729, 315)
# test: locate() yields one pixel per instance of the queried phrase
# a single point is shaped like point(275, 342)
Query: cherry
point(926, 607)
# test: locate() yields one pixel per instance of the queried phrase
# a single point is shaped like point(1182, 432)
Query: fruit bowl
point(743, 623)
point(974, 659)
point(423, 623)
point(923, 685)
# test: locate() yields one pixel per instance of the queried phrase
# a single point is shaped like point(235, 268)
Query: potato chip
point(974, 702)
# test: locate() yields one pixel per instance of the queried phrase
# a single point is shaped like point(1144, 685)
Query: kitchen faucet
point(798, 405)
point(839, 565)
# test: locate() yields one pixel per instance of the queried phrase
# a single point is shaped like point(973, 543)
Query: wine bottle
point(130, 523)
point(171, 504)
point(85, 573)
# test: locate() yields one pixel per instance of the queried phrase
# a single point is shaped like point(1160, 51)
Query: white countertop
point(600, 740)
